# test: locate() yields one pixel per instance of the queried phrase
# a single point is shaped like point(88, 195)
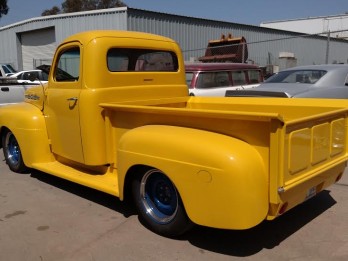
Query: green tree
point(69, 6)
point(103, 4)
point(53, 11)
point(3, 8)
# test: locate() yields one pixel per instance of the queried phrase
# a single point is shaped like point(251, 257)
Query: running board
point(106, 182)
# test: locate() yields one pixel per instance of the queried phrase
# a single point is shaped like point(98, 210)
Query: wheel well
point(2, 133)
point(131, 174)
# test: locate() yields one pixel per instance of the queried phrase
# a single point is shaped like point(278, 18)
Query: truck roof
point(218, 66)
point(87, 36)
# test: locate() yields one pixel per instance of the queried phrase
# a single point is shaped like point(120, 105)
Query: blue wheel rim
point(159, 197)
point(13, 151)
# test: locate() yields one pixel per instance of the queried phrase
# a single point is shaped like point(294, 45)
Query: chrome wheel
point(12, 148)
point(159, 204)
point(158, 196)
point(12, 153)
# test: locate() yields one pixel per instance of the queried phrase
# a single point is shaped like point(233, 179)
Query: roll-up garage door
point(38, 47)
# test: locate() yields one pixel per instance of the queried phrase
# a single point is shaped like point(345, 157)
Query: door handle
point(72, 99)
point(5, 89)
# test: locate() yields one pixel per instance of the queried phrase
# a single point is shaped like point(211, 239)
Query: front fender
point(222, 180)
point(27, 123)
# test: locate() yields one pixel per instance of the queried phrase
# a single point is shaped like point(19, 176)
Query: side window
point(212, 80)
point(189, 77)
point(254, 76)
point(30, 75)
point(221, 79)
point(238, 78)
point(205, 80)
point(26, 76)
point(68, 68)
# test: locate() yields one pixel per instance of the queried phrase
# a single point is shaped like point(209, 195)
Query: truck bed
point(299, 143)
point(232, 108)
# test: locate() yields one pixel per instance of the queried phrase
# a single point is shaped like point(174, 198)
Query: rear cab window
point(141, 60)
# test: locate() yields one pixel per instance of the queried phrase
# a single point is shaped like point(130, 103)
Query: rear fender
point(222, 180)
point(27, 123)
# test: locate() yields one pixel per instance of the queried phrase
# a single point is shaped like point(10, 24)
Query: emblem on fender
point(32, 97)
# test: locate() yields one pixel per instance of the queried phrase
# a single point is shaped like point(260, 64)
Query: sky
point(252, 12)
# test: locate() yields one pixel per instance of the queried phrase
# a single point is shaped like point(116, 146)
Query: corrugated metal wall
point(264, 44)
point(192, 34)
point(63, 26)
point(338, 24)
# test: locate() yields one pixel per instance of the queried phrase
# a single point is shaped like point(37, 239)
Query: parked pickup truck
point(116, 116)
point(11, 91)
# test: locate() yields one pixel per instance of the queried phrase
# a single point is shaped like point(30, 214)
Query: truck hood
point(272, 90)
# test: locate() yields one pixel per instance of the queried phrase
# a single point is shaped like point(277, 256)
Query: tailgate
point(311, 156)
point(314, 145)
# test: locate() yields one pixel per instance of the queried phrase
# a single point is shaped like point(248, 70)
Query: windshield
point(8, 68)
point(297, 76)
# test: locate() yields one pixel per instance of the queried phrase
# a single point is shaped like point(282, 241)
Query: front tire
point(12, 153)
point(159, 204)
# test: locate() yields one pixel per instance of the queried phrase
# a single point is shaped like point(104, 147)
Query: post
point(327, 47)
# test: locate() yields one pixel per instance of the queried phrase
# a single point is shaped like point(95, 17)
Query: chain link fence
point(274, 54)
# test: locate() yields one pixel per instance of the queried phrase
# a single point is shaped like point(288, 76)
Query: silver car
point(314, 81)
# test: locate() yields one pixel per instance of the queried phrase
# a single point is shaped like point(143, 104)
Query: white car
point(310, 81)
point(39, 76)
point(214, 79)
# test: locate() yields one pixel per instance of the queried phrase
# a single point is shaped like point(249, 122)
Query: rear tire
point(159, 204)
point(12, 153)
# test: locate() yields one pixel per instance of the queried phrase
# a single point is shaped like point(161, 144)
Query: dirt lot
point(46, 218)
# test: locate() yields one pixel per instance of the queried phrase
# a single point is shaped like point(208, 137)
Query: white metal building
point(336, 24)
point(37, 38)
point(32, 42)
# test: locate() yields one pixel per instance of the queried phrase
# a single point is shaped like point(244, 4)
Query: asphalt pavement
point(46, 218)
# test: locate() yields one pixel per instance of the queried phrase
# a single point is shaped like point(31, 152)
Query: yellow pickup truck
point(116, 116)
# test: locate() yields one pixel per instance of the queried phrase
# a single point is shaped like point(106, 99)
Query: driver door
point(62, 104)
